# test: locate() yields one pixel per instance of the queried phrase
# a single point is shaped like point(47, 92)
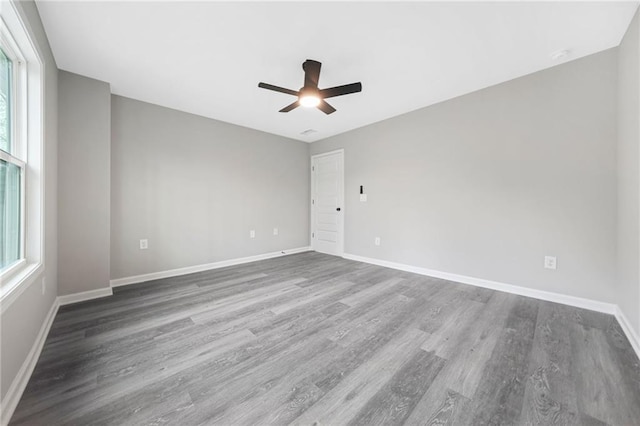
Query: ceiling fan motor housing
point(309, 91)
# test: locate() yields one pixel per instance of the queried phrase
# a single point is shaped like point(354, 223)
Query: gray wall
point(487, 184)
point(194, 187)
point(21, 321)
point(84, 135)
point(629, 175)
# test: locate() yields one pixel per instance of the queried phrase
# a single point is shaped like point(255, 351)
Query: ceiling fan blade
point(311, 73)
point(340, 90)
point(288, 108)
point(278, 89)
point(325, 107)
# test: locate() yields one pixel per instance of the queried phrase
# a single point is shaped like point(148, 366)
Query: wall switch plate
point(275, 231)
point(363, 198)
point(144, 244)
point(377, 241)
point(252, 233)
point(550, 262)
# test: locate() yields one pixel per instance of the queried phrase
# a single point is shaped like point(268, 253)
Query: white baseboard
point(10, 402)
point(13, 395)
point(11, 399)
point(593, 305)
point(199, 268)
point(579, 302)
point(85, 295)
point(633, 337)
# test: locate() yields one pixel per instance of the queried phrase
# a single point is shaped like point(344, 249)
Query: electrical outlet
point(252, 233)
point(275, 231)
point(144, 244)
point(377, 241)
point(550, 262)
point(44, 285)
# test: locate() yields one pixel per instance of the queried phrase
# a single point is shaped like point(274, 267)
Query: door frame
point(342, 207)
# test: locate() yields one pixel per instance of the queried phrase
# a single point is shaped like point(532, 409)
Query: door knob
point(337, 209)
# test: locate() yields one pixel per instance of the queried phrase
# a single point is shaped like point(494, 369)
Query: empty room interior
point(319, 213)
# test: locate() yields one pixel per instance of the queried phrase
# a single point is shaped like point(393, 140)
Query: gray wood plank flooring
point(316, 339)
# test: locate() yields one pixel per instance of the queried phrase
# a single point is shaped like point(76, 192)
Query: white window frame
point(28, 138)
point(18, 139)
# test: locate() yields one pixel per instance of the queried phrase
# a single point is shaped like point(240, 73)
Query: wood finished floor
point(311, 338)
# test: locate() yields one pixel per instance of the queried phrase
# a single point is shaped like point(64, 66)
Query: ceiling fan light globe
point(309, 101)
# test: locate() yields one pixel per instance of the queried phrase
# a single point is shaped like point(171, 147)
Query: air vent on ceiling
point(560, 54)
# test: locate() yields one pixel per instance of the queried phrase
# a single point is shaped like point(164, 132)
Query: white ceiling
point(207, 58)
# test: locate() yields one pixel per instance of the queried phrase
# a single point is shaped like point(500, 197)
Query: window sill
point(18, 282)
point(8, 273)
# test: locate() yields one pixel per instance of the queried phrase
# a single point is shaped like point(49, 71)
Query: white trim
point(19, 98)
point(634, 339)
point(11, 159)
point(342, 202)
point(10, 402)
point(12, 269)
point(311, 205)
point(11, 399)
point(85, 295)
point(32, 81)
point(324, 154)
point(198, 268)
point(20, 381)
point(579, 302)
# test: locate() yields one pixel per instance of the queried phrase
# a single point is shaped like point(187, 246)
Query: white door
point(327, 202)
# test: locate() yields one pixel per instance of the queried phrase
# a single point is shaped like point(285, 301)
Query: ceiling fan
point(310, 95)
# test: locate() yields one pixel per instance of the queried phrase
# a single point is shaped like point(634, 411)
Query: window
point(21, 157)
point(12, 168)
